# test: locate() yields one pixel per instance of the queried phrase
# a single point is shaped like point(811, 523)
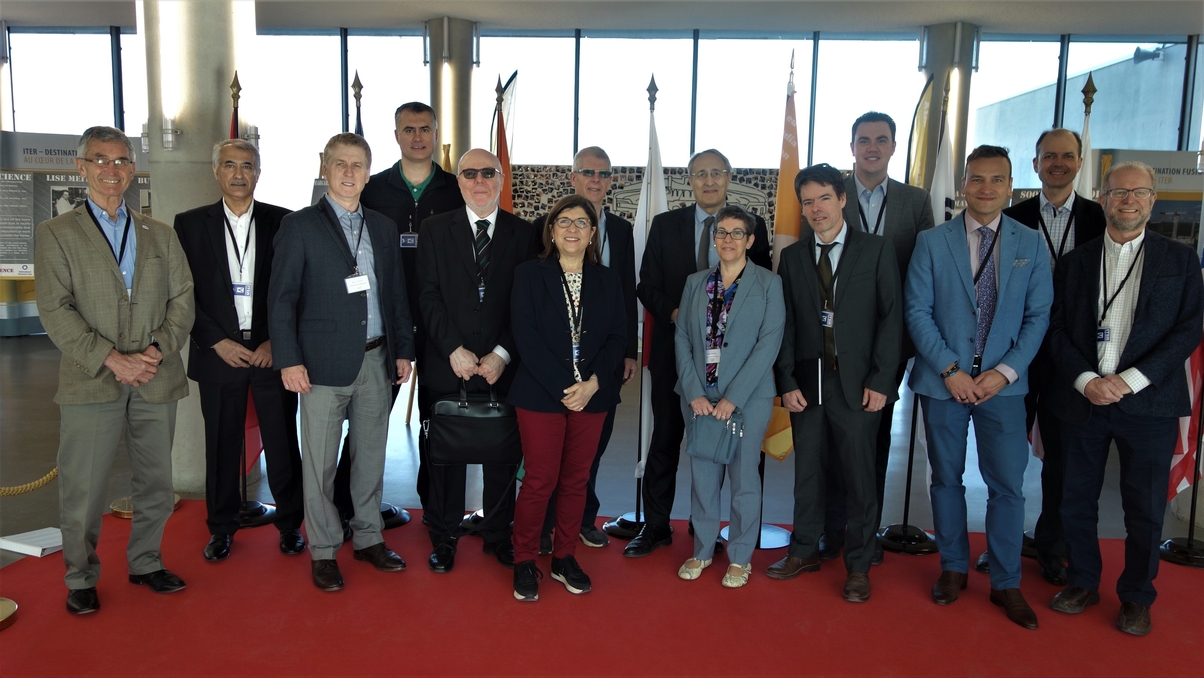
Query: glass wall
point(133, 84)
point(1012, 99)
point(391, 71)
point(745, 122)
point(540, 125)
point(856, 76)
point(45, 66)
point(614, 97)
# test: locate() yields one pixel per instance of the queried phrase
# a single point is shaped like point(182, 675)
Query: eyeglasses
point(1122, 193)
point(119, 163)
point(589, 173)
point(565, 222)
point(714, 174)
point(485, 172)
point(721, 234)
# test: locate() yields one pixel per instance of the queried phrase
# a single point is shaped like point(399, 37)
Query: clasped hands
point(466, 365)
point(871, 401)
point(134, 369)
point(975, 390)
point(1106, 390)
point(721, 410)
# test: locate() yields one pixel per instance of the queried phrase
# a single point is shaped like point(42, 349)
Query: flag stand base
point(1182, 551)
point(392, 517)
point(626, 526)
point(772, 537)
point(907, 539)
point(8, 613)
point(255, 514)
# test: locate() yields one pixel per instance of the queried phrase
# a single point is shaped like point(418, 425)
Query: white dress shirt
point(244, 233)
point(1116, 260)
point(473, 218)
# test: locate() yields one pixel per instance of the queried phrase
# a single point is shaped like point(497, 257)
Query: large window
point(742, 98)
point(614, 97)
point(856, 76)
point(1139, 88)
point(133, 84)
point(49, 66)
point(391, 71)
point(540, 126)
point(297, 109)
point(1012, 100)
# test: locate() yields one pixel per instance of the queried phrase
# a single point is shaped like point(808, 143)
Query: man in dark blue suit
point(977, 306)
point(341, 335)
point(1127, 313)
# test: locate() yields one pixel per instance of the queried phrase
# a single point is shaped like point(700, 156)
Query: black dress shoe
point(503, 550)
point(82, 601)
point(381, 558)
point(1053, 570)
point(443, 559)
point(291, 542)
point(983, 564)
point(218, 547)
point(648, 540)
point(1073, 600)
point(326, 575)
point(1015, 606)
point(879, 554)
point(1134, 619)
point(829, 547)
point(159, 581)
point(945, 590)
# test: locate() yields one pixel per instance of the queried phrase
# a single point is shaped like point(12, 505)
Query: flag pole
point(628, 525)
point(357, 87)
point(1180, 550)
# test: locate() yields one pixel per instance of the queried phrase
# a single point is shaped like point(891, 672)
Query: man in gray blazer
point(836, 370)
point(115, 295)
point(341, 334)
point(882, 206)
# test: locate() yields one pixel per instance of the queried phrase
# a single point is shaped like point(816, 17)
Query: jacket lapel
point(335, 230)
point(1155, 248)
point(99, 241)
point(263, 243)
point(1007, 253)
point(499, 244)
point(848, 261)
point(461, 235)
point(551, 277)
point(215, 226)
point(955, 238)
point(809, 274)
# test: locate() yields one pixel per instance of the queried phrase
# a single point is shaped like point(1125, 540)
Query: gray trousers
point(745, 488)
point(88, 439)
point(365, 404)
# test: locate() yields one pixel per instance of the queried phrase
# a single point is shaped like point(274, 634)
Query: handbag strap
point(493, 401)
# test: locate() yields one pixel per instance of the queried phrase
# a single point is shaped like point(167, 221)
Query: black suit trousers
point(224, 408)
point(664, 451)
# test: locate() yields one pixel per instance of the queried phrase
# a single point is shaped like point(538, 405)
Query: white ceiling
point(1094, 17)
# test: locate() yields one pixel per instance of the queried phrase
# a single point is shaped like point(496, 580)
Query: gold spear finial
point(652, 90)
point(1089, 91)
point(500, 92)
point(235, 89)
point(357, 87)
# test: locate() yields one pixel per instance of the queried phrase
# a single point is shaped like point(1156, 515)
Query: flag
point(501, 141)
point(944, 189)
point(1084, 183)
point(917, 142)
point(1183, 463)
point(787, 221)
point(653, 200)
point(234, 123)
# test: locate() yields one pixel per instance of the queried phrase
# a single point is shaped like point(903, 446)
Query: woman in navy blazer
point(569, 326)
point(726, 367)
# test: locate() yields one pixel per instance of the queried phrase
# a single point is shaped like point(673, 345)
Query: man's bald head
point(481, 193)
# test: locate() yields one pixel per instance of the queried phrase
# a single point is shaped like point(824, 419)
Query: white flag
point(653, 200)
point(1084, 183)
point(944, 190)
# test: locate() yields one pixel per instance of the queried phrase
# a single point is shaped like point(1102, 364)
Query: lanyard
point(120, 254)
point(234, 241)
point(605, 239)
point(983, 263)
point(718, 307)
point(359, 239)
point(1121, 286)
point(877, 222)
point(1044, 229)
point(574, 310)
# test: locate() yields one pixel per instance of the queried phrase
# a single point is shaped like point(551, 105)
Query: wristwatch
point(159, 348)
point(951, 371)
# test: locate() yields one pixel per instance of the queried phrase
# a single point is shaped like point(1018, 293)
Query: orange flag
point(503, 156)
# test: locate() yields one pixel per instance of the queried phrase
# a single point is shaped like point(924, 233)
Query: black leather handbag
point(472, 429)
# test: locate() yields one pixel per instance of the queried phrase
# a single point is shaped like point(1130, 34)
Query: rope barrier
point(30, 487)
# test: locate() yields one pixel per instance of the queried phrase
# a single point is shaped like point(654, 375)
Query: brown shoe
point(791, 567)
point(857, 587)
point(1073, 600)
point(1012, 602)
point(1134, 619)
point(944, 591)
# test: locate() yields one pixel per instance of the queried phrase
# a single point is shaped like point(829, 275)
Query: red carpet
point(257, 614)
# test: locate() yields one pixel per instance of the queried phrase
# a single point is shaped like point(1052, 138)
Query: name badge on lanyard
point(1103, 334)
point(713, 356)
point(576, 353)
point(356, 282)
point(241, 289)
point(409, 240)
point(481, 292)
point(827, 318)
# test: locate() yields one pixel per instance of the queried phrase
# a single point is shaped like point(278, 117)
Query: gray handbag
point(714, 440)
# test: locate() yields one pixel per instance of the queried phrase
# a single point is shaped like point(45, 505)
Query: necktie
point(704, 248)
point(986, 289)
point(825, 283)
point(480, 246)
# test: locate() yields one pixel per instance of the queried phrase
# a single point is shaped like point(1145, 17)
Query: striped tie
point(481, 247)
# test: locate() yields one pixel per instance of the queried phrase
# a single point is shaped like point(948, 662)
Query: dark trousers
point(590, 515)
point(558, 449)
point(224, 408)
point(1048, 533)
point(446, 502)
point(664, 451)
point(823, 433)
point(1146, 445)
point(835, 509)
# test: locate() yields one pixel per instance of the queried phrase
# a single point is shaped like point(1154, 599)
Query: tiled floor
point(28, 444)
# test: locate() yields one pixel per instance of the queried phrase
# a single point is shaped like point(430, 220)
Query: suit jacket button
point(363, 294)
point(363, 322)
point(725, 344)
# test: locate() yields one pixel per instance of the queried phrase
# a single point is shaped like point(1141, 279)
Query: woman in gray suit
point(725, 370)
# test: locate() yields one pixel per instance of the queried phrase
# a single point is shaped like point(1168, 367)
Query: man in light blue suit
point(977, 305)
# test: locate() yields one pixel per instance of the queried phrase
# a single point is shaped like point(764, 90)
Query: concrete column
point(190, 61)
point(451, 46)
point(942, 52)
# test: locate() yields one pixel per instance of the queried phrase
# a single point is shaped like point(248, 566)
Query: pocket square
point(1020, 262)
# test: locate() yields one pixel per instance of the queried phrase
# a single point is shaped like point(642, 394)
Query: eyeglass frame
point(118, 163)
point(480, 171)
point(589, 173)
point(712, 173)
point(1111, 193)
point(723, 233)
point(582, 224)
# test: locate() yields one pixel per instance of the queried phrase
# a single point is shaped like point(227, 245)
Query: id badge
point(409, 240)
point(356, 283)
point(713, 356)
point(241, 289)
point(827, 318)
point(576, 353)
point(480, 294)
point(1103, 334)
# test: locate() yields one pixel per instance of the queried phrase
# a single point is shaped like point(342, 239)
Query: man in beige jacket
point(115, 295)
